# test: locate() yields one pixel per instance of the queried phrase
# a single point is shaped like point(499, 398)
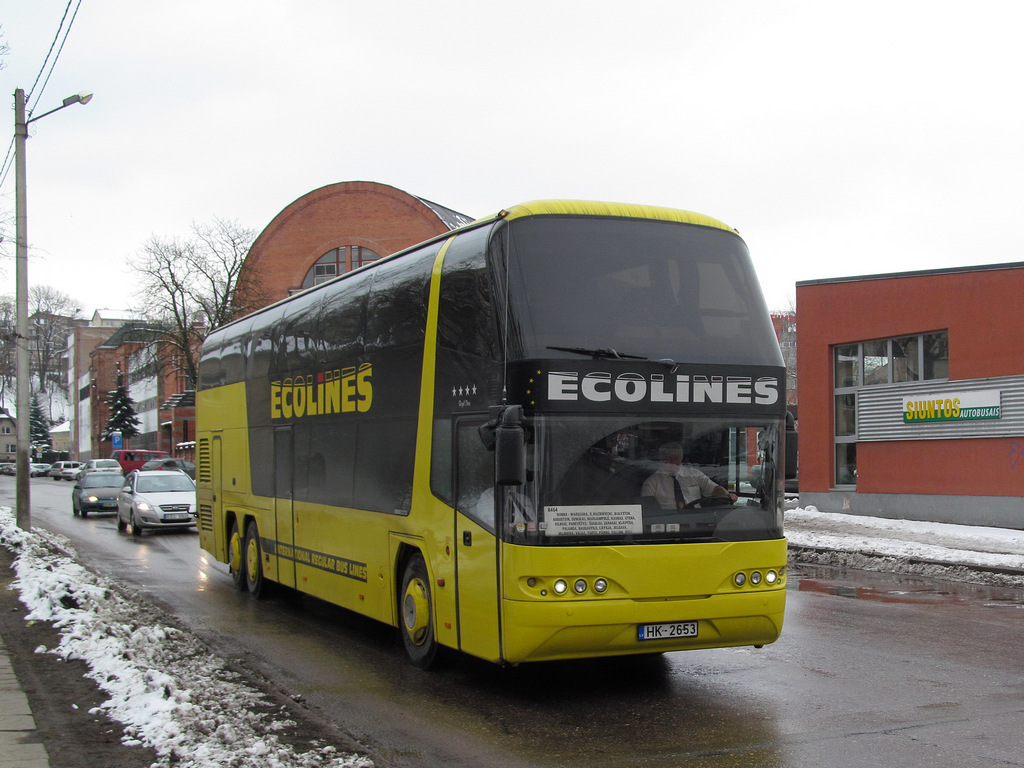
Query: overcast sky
point(838, 138)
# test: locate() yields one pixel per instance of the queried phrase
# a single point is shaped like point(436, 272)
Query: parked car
point(101, 465)
point(38, 470)
point(96, 492)
point(184, 465)
point(156, 499)
point(131, 459)
point(57, 470)
point(7, 468)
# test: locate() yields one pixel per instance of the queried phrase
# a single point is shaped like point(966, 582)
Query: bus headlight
point(755, 578)
point(771, 577)
point(580, 586)
point(600, 585)
point(560, 587)
point(739, 579)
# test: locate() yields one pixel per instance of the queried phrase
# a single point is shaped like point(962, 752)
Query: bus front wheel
point(416, 614)
point(253, 561)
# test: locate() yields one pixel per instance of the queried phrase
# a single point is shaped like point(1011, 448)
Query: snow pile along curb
point(953, 552)
point(165, 687)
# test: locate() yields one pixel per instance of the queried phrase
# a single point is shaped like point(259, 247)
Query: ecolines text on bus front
point(346, 390)
point(600, 387)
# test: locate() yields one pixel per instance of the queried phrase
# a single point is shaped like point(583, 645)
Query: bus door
point(283, 495)
point(477, 546)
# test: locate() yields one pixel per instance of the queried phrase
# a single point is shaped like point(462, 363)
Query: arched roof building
point(336, 228)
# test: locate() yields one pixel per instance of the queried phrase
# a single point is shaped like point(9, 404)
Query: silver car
point(159, 499)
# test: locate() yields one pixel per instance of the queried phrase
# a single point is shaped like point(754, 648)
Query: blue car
point(96, 492)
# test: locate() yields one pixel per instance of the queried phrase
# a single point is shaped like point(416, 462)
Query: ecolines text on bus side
point(345, 390)
point(598, 387)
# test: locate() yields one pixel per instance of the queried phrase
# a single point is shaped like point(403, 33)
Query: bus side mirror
point(510, 447)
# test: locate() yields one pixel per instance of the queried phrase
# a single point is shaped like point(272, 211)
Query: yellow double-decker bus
point(555, 433)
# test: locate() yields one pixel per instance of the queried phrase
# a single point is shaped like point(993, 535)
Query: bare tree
point(190, 286)
point(52, 315)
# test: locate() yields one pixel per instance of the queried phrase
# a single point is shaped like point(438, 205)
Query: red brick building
point(912, 395)
point(323, 234)
point(336, 228)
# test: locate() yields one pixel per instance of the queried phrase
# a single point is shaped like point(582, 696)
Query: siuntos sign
point(952, 406)
point(345, 390)
point(659, 388)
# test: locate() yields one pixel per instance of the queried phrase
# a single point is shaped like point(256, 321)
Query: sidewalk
point(17, 726)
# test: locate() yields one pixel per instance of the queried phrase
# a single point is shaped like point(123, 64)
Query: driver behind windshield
point(676, 485)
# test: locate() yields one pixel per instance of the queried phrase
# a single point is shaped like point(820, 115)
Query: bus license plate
point(668, 631)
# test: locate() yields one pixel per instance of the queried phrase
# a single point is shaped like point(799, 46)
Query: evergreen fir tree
point(122, 413)
point(39, 429)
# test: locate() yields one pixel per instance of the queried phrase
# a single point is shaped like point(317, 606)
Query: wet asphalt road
point(871, 670)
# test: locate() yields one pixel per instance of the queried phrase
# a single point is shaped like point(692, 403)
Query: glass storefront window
point(847, 365)
point(876, 362)
point(846, 415)
point(895, 360)
point(936, 355)
point(846, 463)
point(906, 358)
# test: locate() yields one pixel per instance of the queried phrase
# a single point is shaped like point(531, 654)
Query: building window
point(878, 362)
point(338, 261)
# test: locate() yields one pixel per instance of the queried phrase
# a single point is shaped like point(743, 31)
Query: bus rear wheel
point(253, 561)
point(416, 620)
point(236, 563)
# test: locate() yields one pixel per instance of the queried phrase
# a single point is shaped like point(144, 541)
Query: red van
point(130, 459)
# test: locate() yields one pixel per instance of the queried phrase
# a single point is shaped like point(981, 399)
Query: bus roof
point(623, 210)
point(538, 208)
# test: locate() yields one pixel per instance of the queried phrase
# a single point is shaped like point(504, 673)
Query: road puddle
point(899, 588)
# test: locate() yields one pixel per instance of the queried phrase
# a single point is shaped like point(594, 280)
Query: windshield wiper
point(599, 353)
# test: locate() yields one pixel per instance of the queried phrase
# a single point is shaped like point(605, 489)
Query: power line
point(61, 48)
point(8, 158)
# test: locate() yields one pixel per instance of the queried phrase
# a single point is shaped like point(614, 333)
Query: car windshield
point(164, 483)
point(102, 480)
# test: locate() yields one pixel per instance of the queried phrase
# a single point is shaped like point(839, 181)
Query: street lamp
point(24, 387)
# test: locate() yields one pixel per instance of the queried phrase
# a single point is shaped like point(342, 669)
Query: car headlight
point(92, 499)
point(143, 506)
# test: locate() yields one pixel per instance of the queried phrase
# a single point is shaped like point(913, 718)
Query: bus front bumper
point(569, 629)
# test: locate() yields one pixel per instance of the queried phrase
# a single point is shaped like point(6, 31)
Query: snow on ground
point(957, 552)
point(167, 689)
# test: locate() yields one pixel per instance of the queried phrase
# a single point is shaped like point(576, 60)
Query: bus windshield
point(639, 289)
point(623, 479)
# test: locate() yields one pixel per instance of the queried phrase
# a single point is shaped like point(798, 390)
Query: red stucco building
point(912, 395)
